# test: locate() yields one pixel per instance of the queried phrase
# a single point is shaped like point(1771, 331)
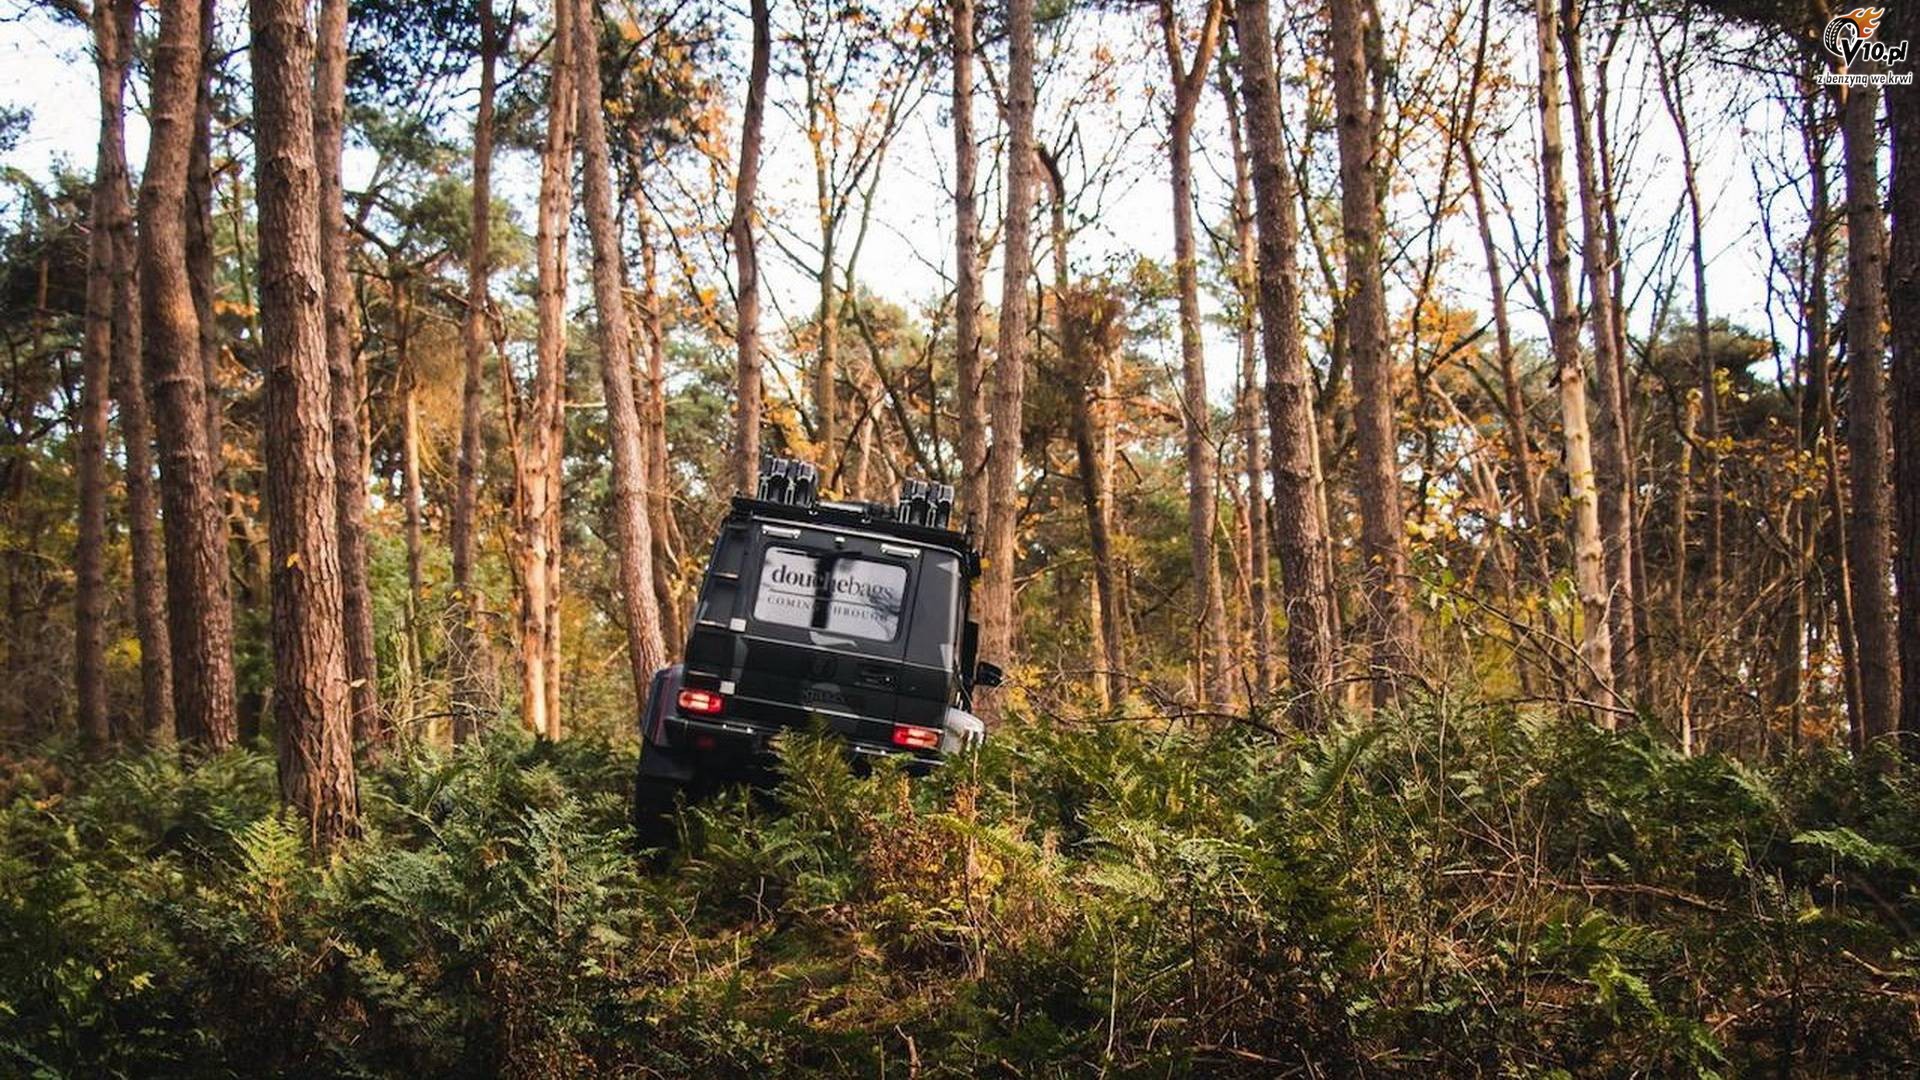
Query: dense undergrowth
point(1452, 891)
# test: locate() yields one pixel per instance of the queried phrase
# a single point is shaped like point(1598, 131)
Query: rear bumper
point(751, 745)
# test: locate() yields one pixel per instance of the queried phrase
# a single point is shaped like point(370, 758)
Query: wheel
point(663, 778)
point(653, 812)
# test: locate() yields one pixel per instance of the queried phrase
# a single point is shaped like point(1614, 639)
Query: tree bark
point(1298, 536)
point(1612, 464)
point(111, 52)
point(1211, 653)
point(1247, 405)
point(826, 363)
point(1089, 326)
point(309, 654)
point(401, 306)
point(541, 460)
point(652, 388)
point(1870, 531)
point(201, 273)
point(200, 622)
point(467, 638)
point(1512, 402)
point(1903, 300)
point(1820, 380)
point(136, 428)
point(970, 395)
point(1390, 615)
point(998, 622)
point(1589, 555)
point(646, 651)
point(747, 389)
point(347, 382)
point(1673, 93)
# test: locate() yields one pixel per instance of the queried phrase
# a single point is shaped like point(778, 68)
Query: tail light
point(703, 702)
point(915, 738)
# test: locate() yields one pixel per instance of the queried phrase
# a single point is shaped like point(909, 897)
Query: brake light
point(916, 738)
point(704, 702)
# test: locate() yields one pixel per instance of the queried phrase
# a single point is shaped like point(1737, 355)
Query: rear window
point(833, 592)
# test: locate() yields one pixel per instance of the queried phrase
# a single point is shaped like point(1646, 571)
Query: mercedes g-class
point(849, 617)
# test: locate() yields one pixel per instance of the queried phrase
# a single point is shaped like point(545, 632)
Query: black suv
point(853, 617)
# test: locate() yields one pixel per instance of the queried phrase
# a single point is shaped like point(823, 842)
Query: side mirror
point(986, 674)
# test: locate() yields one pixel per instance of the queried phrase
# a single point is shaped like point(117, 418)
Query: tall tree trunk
point(1512, 402)
point(541, 460)
point(747, 389)
point(1377, 483)
point(200, 622)
point(1610, 452)
point(1088, 325)
point(1674, 93)
point(998, 622)
point(309, 656)
point(971, 397)
point(1589, 555)
point(1903, 300)
point(826, 363)
point(111, 52)
point(646, 651)
point(1211, 652)
point(1088, 322)
point(201, 274)
point(410, 502)
point(467, 638)
point(1247, 405)
point(347, 382)
point(1870, 531)
point(653, 420)
point(136, 429)
point(1638, 661)
point(1513, 406)
point(1298, 534)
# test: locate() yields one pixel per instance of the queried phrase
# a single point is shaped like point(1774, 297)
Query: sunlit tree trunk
point(310, 696)
point(997, 625)
point(1610, 451)
point(747, 389)
point(1298, 525)
point(971, 400)
point(201, 272)
point(1211, 652)
point(347, 381)
point(1870, 529)
point(828, 453)
point(1377, 481)
point(646, 651)
point(1817, 137)
point(1589, 556)
point(200, 623)
point(467, 639)
point(540, 460)
point(1247, 404)
point(111, 52)
point(407, 380)
point(136, 429)
point(1089, 326)
point(652, 388)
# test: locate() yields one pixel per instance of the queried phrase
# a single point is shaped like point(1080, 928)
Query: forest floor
point(1450, 890)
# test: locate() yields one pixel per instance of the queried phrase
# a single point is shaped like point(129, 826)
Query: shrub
point(1453, 889)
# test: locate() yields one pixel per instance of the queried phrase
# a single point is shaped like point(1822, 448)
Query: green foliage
point(1452, 890)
